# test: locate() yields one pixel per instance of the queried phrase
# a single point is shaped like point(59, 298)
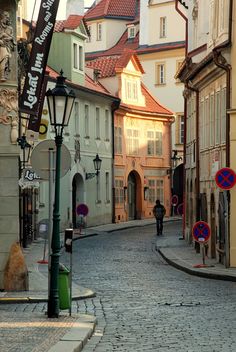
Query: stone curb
point(192, 271)
point(77, 337)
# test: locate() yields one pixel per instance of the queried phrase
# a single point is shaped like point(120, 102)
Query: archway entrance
point(132, 187)
point(77, 197)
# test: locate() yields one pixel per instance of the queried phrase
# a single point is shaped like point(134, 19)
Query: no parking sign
point(201, 232)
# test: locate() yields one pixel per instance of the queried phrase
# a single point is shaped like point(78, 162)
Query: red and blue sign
point(201, 231)
point(225, 178)
point(82, 209)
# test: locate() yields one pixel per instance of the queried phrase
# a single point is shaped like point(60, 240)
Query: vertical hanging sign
point(31, 96)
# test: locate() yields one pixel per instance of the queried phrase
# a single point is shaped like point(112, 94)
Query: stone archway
point(134, 196)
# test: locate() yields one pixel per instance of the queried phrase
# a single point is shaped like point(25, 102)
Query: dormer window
point(78, 59)
point(131, 32)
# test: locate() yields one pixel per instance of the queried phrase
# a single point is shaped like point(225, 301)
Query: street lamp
point(24, 145)
point(60, 103)
point(97, 162)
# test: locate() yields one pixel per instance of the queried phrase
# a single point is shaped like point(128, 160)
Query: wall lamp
point(25, 146)
point(97, 167)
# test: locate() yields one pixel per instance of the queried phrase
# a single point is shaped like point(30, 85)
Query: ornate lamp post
point(60, 103)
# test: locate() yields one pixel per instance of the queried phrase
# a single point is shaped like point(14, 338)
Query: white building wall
point(144, 24)
point(112, 30)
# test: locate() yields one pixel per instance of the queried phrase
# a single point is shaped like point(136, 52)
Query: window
point(76, 107)
point(160, 73)
point(132, 142)
point(98, 123)
point(107, 188)
point(107, 134)
point(131, 32)
point(131, 90)
point(162, 27)
point(86, 120)
point(223, 115)
point(89, 34)
point(154, 143)
point(217, 118)
point(78, 54)
point(118, 140)
point(75, 55)
point(156, 191)
point(99, 31)
point(119, 191)
point(212, 120)
point(181, 130)
point(81, 56)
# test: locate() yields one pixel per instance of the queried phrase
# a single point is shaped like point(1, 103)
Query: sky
point(61, 14)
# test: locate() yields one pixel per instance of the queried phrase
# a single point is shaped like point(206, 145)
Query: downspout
point(217, 57)
point(185, 116)
point(114, 106)
point(186, 26)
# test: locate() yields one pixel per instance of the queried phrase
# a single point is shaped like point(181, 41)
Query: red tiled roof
point(89, 83)
point(125, 58)
point(72, 22)
point(112, 8)
point(110, 64)
point(106, 65)
point(118, 48)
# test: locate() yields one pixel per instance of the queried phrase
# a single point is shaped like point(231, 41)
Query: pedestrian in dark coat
point(159, 212)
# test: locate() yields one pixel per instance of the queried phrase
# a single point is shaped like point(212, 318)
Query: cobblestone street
point(143, 304)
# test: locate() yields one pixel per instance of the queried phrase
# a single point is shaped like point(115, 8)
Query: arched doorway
point(77, 196)
point(134, 198)
point(132, 189)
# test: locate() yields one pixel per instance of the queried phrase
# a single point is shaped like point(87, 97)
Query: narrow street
point(143, 304)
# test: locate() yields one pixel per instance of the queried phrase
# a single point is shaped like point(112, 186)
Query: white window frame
point(98, 123)
point(163, 26)
point(132, 141)
point(78, 57)
point(131, 32)
point(99, 31)
point(76, 118)
point(156, 190)
point(118, 139)
point(154, 143)
point(107, 130)
point(86, 121)
point(119, 191)
point(160, 73)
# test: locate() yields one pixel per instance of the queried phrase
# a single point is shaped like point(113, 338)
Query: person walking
point(159, 212)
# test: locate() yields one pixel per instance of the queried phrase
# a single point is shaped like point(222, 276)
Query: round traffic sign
point(201, 231)
point(40, 159)
point(174, 200)
point(225, 178)
point(82, 209)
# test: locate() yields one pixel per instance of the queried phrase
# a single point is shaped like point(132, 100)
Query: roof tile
point(112, 8)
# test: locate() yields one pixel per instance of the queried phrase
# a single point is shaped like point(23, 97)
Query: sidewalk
point(70, 333)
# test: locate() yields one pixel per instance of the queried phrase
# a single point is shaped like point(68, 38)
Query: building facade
point(206, 73)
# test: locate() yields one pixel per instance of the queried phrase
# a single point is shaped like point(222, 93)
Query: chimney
point(96, 73)
point(74, 7)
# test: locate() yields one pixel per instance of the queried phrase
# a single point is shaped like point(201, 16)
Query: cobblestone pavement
point(143, 304)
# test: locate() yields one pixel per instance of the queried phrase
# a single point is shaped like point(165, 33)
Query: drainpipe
point(115, 106)
point(227, 68)
point(186, 26)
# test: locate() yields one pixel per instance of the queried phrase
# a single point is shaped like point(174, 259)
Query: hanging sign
point(33, 87)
